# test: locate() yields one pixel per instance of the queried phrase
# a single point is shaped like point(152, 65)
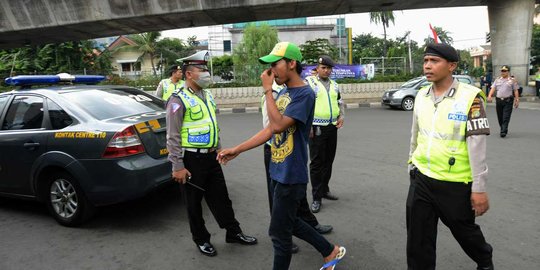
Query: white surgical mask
point(204, 79)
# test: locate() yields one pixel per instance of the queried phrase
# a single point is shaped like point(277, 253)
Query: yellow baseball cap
point(282, 50)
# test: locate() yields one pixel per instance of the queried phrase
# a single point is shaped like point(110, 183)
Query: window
point(58, 117)
point(226, 45)
point(3, 102)
point(126, 67)
point(25, 112)
point(113, 103)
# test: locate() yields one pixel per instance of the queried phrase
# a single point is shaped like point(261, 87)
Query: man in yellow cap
point(290, 118)
point(507, 98)
point(447, 164)
point(193, 143)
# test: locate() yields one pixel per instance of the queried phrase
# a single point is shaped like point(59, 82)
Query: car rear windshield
point(112, 103)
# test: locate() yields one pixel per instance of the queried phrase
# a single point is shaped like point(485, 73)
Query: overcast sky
point(467, 25)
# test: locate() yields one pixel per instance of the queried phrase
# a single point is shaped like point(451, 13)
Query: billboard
point(363, 72)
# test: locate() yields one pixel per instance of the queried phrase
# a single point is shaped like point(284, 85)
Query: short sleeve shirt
point(505, 87)
point(289, 148)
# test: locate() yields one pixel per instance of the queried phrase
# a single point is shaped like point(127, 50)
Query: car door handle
point(31, 145)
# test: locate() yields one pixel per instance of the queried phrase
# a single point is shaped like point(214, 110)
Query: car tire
point(407, 104)
point(66, 200)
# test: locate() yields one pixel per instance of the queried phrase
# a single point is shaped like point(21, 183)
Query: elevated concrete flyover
point(32, 22)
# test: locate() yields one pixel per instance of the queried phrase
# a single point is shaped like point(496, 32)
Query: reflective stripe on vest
point(441, 134)
point(199, 128)
point(169, 87)
point(326, 103)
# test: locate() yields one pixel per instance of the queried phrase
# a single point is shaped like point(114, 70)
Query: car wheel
point(407, 104)
point(66, 201)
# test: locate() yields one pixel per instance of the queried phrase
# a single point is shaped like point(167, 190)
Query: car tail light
point(124, 143)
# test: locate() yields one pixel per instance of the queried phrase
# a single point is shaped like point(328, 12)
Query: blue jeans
point(285, 223)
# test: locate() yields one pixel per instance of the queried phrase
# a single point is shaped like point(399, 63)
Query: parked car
point(404, 96)
point(75, 147)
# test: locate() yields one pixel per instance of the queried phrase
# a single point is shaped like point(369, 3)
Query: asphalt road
point(369, 219)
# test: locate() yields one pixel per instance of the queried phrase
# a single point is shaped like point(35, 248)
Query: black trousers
point(303, 210)
point(504, 112)
point(322, 151)
point(430, 200)
point(206, 172)
point(537, 86)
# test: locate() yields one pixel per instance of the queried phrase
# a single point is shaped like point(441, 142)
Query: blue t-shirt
point(289, 148)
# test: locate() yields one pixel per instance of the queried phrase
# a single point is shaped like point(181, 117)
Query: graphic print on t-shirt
point(283, 143)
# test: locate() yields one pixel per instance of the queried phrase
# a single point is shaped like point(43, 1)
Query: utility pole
point(410, 55)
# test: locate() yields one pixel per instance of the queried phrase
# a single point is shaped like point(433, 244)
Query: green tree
point(223, 67)
point(535, 46)
point(465, 64)
point(256, 42)
point(366, 45)
point(171, 49)
point(444, 36)
point(312, 49)
point(384, 18)
point(146, 44)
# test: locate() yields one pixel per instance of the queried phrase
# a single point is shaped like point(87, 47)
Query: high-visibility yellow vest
point(537, 77)
point(199, 128)
point(169, 87)
point(441, 134)
point(326, 103)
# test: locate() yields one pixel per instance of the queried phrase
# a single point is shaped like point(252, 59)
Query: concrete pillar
point(510, 25)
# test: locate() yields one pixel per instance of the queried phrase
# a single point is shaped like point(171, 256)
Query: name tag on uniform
point(457, 117)
point(192, 102)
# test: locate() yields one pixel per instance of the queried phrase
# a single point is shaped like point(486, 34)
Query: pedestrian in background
point(193, 143)
point(328, 118)
point(290, 118)
point(447, 164)
point(507, 98)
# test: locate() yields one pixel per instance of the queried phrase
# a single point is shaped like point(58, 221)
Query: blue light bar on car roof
point(53, 79)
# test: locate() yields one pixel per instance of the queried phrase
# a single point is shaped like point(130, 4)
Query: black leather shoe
point(489, 267)
point(316, 206)
point(503, 135)
point(294, 248)
point(207, 249)
point(330, 196)
point(241, 238)
point(323, 229)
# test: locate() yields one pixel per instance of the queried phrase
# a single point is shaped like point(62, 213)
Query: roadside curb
point(258, 109)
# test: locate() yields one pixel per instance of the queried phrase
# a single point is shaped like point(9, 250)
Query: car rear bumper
point(112, 181)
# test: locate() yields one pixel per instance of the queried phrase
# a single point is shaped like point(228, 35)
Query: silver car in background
point(404, 96)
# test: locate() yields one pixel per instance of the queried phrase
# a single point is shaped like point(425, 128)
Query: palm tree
point(146, 43)
point(384, 17)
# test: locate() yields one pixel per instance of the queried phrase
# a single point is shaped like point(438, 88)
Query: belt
point(201, 150)
point(505, 98)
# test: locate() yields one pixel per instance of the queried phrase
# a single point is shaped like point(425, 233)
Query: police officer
point(329, 116)
point(507, 97)
point(168, 86)
point(537, 82)
point(447, 163)
point(193, 143)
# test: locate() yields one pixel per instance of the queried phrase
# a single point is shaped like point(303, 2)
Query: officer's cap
point(505, 68)
point(326, 60)
point(198, 60)
point(174, 68)
point(442, 50)
point(282, 50)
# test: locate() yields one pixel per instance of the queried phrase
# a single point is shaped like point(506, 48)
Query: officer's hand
point(267, 78)
point(516, 103)
point(479, 202)
point(339, 123)
point(227, 154)
point(490, 99)
point(181, 176)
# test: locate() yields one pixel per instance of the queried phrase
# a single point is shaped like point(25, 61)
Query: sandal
point(332, 264)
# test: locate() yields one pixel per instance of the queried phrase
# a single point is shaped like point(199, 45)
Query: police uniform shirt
point(477, 124)
point(175, 117)
point(505, 87)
